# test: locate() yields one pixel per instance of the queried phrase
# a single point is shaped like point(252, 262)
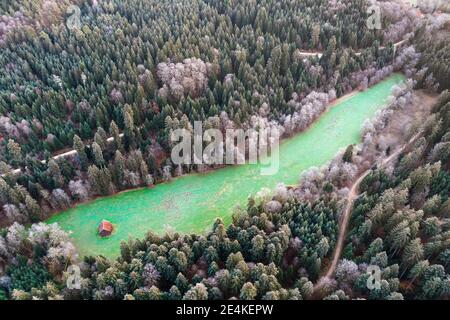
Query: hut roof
point(105, 226)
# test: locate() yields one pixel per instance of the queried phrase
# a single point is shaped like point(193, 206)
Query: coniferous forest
point(87, 111)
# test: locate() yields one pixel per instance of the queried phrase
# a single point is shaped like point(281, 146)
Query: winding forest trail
point(63, 155)
point(352, 195)
point(320, 53)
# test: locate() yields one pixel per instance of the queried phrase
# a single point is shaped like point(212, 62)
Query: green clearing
point(189, 204)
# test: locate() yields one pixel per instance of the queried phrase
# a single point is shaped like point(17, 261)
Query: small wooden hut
point(105, 228)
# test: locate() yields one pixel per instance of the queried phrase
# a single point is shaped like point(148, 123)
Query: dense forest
point(64, 88)
point(401, 222)
point(115, 88)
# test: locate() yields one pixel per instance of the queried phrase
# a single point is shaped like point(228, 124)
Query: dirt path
point(63, 155)
point(320, 53)
point(352, 195)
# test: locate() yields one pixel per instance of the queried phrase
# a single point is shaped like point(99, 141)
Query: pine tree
point(248, 292)
point(413, 252)
point(78, 145)
point(115, 134)
point(15, 152)
point(98, 154)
